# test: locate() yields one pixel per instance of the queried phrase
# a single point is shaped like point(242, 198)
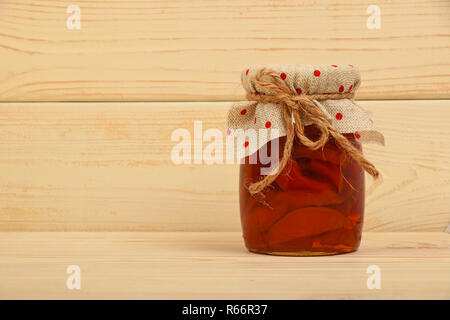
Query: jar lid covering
point(344, 114)
point(308, 79)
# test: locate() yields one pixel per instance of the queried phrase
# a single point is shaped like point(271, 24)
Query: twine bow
point(298, 107)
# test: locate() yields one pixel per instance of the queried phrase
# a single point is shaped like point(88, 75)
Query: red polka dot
point(299, 90)
point(333, 65)
point(268, 124)
point(228, 132)
point(256, 93)
point(283, 76)
point(243, 111)
point(339, 116)
point(246, 72)
point(357, 135)
point(317, 73)
point(341, 89)
point(351, 87)
point(255, 120)
point(246, 144)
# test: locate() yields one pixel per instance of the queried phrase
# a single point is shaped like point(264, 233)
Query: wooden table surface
point(215, 265)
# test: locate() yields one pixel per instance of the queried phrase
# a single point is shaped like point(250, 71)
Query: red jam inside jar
point(314, 207)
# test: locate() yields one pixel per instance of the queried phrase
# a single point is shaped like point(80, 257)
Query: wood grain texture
point(107, 167)
point(195, 50)
point(215, 265)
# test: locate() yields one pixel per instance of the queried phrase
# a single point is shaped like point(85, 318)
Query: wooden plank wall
point(191, 50)
point(105, 166)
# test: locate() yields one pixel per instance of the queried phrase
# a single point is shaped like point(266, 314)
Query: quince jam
point(314, 207)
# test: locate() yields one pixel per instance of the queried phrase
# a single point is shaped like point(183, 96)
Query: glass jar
point(314, 207)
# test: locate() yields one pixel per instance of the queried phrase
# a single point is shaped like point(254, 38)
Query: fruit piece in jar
point(328, 154)
point(304, 243)
point(262, 209)
point(343, 238)
point(261, 213)
point(305, 222)
point(255, 240)
point(292, 178)
point(303, 198)
point(345, 207)
point(326, 170)
point(261, 217)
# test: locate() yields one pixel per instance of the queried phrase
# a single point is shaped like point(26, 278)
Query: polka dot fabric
point(346, 115)
point(310, 79)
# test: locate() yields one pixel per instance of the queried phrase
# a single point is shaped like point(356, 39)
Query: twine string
point(298, 107)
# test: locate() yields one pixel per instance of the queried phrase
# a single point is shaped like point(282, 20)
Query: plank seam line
point(193, 101)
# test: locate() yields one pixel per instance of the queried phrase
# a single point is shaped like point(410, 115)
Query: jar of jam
point(314, 205)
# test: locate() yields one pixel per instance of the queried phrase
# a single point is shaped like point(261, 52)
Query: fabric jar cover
point(344, 114)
